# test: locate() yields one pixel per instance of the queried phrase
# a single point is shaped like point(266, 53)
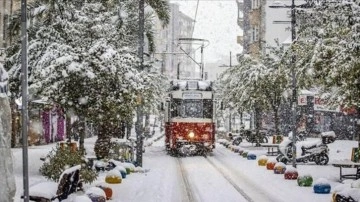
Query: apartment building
point(251, 19)
point(264, 23)
point(168, 45)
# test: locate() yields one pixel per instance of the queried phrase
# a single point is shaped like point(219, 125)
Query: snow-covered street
point(222, 176)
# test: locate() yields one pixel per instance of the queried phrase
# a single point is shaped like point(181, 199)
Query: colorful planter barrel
point(96, 198)
point(291, 175)
point(270, 165)
point(279, 168)
point(251, 157)
point(305, 181)
point(262, 162)
point(323, 188)
point(108, 191)
point(244, 154)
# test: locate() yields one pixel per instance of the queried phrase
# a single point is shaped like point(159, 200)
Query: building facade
point(170, 50)
point(251, 19)
point(265, 23)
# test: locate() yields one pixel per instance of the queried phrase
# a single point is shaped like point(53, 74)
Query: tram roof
point(203, 85)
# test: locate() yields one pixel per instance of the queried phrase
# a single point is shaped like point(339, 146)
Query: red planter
point(291, 175)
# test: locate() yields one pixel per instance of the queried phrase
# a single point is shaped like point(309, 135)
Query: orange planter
point(270, 165)
point(108, 191)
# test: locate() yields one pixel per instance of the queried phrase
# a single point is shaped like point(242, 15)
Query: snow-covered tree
point(329, 49)
point(83, 55)
point(7, 184)
point(256, 84)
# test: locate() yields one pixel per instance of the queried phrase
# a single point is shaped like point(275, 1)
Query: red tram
point(190, 118)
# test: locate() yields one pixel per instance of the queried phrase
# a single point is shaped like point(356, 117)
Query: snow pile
point(44, 189)
point(322, 181)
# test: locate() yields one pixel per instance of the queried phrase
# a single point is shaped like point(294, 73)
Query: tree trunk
point(7, 184)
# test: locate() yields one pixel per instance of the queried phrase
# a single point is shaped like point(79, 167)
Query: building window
point(255, 4)
point(255, 33)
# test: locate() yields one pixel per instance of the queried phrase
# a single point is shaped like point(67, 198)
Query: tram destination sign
point(191, 95)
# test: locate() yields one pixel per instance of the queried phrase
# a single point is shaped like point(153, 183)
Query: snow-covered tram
point(190, 118)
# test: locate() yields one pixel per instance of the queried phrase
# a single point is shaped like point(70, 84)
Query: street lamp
point(293, 76)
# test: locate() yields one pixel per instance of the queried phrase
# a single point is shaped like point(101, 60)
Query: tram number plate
point(191, 96)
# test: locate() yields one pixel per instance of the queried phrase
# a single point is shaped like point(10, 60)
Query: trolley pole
point(24, 94)
point(139, 110)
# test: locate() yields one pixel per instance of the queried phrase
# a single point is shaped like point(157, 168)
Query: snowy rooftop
point(191, 85)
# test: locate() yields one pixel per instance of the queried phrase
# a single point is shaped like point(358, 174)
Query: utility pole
point(139, 128)
point(293, 75)
point(24, 94)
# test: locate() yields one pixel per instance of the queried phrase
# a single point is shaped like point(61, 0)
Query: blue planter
point(123, 174)
point(322, 188)
point(251, 157)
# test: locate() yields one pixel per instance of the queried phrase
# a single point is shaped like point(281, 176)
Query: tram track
point(243, 183)
point(193, 188)
point(232, 182)
point(187, 187)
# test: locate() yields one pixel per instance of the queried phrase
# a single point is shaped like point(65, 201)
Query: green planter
point(305, 181)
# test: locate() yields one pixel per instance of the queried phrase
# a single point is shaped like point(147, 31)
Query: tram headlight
point(191, 135)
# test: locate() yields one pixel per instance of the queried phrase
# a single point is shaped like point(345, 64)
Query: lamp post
point(293, 77)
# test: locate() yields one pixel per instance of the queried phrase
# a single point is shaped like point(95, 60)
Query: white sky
point(164, 182)
point(216, 21)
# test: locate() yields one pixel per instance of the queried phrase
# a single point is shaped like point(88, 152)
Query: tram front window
point(191, 108)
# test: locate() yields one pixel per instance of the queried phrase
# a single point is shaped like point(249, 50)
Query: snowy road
point(222, 176)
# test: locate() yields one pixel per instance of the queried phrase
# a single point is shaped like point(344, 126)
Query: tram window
point(192, 108)
point(208, 108)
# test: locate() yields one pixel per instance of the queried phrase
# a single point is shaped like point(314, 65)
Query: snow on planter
point(113, 177)
point(96, 194)
point(236, 149)
point(251, 156)
point(322, 186)
point(262, 160)
point(122, 171)
point(347, 192)
point(100, 165)
point(279, 168)
point(291, 173)
point(270, 164)
point(108, 191)
point(305, 180)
